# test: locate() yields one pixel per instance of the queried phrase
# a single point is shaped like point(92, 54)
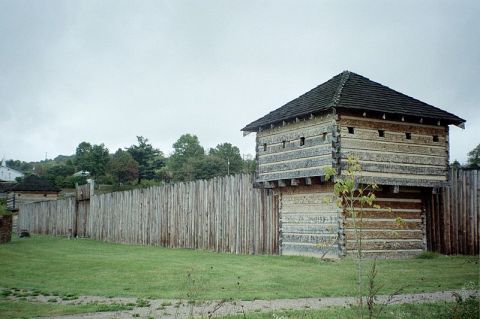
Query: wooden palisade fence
point(223, 214)
point(453, 225)
point(227, 214)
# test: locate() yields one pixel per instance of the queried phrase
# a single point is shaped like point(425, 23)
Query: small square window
point(324, 136)
point(302, 141)
point(265, 147)
point(408, 135)
point(283, 144)
point(435, 138)
point(381, 133)
point(351, 130)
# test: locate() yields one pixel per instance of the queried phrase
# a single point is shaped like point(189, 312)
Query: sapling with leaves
point(352, 198)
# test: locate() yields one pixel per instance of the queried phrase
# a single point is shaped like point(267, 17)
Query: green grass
point(440, 310)
point(23, 309)
point(88, 267)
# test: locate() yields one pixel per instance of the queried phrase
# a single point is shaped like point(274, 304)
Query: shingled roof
point(6, 186)
point(34, 183)
point(349, 90)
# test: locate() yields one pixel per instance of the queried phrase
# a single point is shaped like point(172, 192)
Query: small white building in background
point(8, 174)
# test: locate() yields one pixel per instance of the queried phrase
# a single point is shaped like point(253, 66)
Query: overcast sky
point(106, 71)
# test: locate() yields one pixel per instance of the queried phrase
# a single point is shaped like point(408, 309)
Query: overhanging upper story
point(398, 140)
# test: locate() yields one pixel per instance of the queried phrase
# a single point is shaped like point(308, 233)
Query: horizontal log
point(385, 213)
point(295, 164)
point(309, 218)
point(295, 135)
point(392, 136)
point(305, 152)
point(317, 239)
point(401, 169)
point(390, 254)
point(398, 179)
point(310, 190)
point(389, 157)
point(392, 126)
point(389, 204)
point(349, 144)
point(385, 234)
point(309, 209)
point(280, 130)
point(310, 228)
point(309, 249)
point(292, 145)
point(319, 171)
point(384, 224)
point(320, 199)
point(386, 244)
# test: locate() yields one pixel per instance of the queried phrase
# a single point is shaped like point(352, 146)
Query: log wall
point(223, 214)
point(394, 159)
point(281, 155)
point(228, 214)
point(309, 221)
point(394, 229)
point(49, 217)
point(453, 227)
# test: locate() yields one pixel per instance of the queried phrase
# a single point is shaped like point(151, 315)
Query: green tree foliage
point(92, 158)
point(230, 156)
point(474, 157)
point(58, 174)
point(21, 166)
point(187, 154)
point(149, 159)
point(249, 164)
point(123, 167)
point(208, 167)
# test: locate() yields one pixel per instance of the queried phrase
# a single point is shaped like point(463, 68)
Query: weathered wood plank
point(291, 127)
point(387, 244)
point(393, 136)
point(305, 152)
point(294, 165)
point(385, 234)
point(389, 157)
point(406, 169)
point(384, 224)
point(294, 173)
point(394, 126)
point(349, 144)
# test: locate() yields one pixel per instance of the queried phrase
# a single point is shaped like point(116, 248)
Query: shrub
point(3, 209)
point(428, 255)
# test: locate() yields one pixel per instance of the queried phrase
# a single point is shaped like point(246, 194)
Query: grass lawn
point(88, 267)
point(24, 309)
point(440, 310)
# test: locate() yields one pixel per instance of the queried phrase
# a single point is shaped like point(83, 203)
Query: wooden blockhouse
point(402, 145)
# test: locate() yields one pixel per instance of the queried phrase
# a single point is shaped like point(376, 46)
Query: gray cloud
point(106, 71)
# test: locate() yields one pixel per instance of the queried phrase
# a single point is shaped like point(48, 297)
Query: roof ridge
point(341, 84)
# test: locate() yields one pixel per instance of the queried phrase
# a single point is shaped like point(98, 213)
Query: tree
point(82, 157)
point(58, 174)
point(474, 157)
point(187, 151)
point(149, 159)
point(208, 167)
point(21, 166)
point(249, 164)
point(92, 158)
point(230, 155)
point(123, 167)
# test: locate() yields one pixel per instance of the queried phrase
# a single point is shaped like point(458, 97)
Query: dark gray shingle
point(349, 90)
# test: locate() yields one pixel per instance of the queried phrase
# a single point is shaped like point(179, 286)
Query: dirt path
point(170, 309)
